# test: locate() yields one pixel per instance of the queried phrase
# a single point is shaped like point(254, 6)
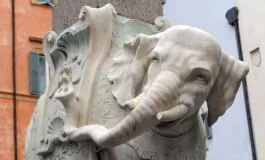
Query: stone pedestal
point(65, 13)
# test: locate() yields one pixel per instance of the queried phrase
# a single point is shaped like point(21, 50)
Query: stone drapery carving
point(124, 89)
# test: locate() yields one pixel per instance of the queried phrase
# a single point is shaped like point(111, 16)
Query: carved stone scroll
point(84, 48)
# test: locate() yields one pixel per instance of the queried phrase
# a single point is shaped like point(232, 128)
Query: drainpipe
point(232, 18)
point(14, 79)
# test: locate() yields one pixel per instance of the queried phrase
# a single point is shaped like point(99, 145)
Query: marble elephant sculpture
point(163, 79)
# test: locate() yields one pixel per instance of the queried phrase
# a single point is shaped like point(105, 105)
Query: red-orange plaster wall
point(24, 111)
point(31, 20)
point(5, 46)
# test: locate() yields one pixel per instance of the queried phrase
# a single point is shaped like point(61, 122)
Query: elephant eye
point(201, 78)
point(201, 75)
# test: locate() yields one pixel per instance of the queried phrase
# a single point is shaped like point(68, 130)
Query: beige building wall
point(252, 30)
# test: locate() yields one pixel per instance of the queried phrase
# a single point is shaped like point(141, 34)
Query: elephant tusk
point(131, 104)
point(173, 114)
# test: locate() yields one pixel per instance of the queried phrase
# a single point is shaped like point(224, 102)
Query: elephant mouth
point(170, 118)
point(167, 125)
point(166, 119)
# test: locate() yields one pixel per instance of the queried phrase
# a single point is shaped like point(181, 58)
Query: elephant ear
point(223, 92)
point(129, 68)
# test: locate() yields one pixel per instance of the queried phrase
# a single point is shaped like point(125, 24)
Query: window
point(45, 2)
point(37, 73)
point(256, 57)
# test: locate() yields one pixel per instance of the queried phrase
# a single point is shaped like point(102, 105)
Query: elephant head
point(164, 79)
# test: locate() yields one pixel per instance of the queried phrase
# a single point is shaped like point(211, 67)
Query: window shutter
point(49, 2)
point(42, 1)
point(37, 73)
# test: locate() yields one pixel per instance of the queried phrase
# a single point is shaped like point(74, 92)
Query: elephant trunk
point(160, 97)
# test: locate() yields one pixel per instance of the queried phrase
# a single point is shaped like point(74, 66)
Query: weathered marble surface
point(123, 89)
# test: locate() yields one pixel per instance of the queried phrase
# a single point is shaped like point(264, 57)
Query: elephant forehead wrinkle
point(206, 65)
point(190, 36)
point(202, 56)
point(204, 47)
point(200, 60)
